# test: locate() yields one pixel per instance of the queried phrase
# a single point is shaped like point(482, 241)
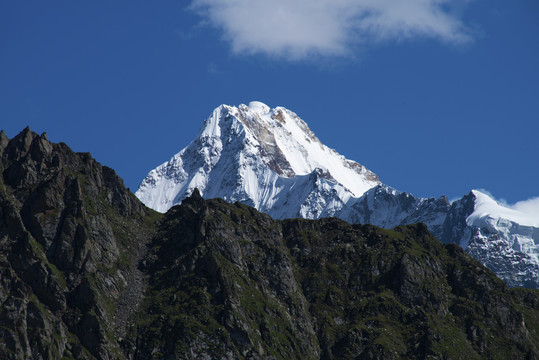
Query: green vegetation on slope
point(233, 283)
point(88, 272)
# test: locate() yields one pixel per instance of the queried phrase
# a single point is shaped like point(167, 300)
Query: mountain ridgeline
point(71, 237)
point(271, 160)
point(89, 272)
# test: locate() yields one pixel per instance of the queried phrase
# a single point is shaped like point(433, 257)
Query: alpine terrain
point(271, 160)
point(88, 272)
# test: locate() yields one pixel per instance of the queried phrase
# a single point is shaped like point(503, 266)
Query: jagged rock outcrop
point(71, 235)
point(230, 282)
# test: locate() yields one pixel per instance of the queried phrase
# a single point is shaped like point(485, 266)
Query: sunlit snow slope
point(266, 158)
point(504, 239)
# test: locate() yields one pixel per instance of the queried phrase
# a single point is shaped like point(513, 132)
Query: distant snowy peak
point(486, 207)
point(502, 238)
point(249, 153)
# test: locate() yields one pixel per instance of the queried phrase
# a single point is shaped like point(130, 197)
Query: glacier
point(270, 159)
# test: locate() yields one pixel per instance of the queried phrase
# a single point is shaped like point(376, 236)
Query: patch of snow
point(259, 107)
point(485, 206)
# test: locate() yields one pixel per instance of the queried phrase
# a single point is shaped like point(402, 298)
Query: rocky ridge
point(232, 283)
point(88, 272)
point(71, 236)
point(271, 160)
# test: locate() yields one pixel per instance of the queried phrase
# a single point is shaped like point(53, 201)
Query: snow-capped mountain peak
point(485, 206)
point(266, 150)
point(504, 239)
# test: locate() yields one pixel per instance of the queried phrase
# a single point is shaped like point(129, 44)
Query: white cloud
point(530, 206)
point(301, 28)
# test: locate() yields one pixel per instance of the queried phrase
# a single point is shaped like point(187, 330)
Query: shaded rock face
point(229, 282)
point(88, 272)
point(386, 207)
point(70, 237)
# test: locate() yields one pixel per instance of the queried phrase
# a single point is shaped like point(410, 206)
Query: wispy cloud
point(530, 206)
point(298, 29)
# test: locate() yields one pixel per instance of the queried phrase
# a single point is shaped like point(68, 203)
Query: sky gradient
point(439, 97)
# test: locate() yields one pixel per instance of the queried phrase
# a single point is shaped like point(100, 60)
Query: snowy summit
point(267, 158)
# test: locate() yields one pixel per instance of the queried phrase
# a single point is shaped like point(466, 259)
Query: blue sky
point(436, 97)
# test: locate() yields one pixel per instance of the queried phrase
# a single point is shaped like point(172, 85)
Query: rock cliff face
point(88, 272)
point(230, 282)
point(71, 236)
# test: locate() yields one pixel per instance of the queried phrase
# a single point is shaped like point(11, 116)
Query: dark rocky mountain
point(88, 272)
point(71, 236)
